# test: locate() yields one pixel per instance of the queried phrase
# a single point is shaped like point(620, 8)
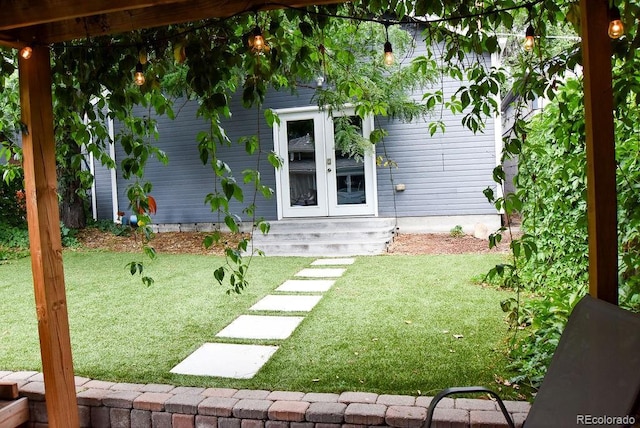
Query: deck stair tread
point(14, 411)
point(326, 236)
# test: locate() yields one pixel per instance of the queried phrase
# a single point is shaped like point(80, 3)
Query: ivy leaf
point(228, 187)
point(251, 144)
point(271, 117)
point(231, 223)
point(208, 241)
point(275, 160)
point(306, 29)
point(219, 274)
point(133, 268)
point(264, 227)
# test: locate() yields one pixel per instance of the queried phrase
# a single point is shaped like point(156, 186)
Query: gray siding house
point(437, 184)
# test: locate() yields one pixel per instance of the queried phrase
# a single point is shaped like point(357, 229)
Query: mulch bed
point(192, 243)
point(443, 243)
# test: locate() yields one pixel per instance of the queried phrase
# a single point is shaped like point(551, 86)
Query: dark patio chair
point(594, 375)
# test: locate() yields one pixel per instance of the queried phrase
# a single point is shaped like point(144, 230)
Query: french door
point(317, 177)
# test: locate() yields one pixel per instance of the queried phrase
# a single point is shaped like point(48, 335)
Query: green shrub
point(12, 253)
point(14, 237)
point(12, 203)
point(17, 238)
point(110, 226)
point(456, 231)
point(551, 259)
point(68, 236)
point(14, 242)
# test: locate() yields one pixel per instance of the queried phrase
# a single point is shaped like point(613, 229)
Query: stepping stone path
point(244, 361)
point(226, 360)
point(286, 303)
point(307, 285)
point(321, 273)
point(260, 327)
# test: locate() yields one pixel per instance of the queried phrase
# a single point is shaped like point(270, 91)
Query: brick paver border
point(110, 404)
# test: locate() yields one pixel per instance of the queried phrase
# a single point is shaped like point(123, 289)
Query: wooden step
point(14, 411)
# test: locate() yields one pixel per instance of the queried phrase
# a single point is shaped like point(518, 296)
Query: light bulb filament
point(138, 77)
point(257, 42)
point(26, 52)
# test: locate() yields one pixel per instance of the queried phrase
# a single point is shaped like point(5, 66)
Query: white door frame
point(326, 174)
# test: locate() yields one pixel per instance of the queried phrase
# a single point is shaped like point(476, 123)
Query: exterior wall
point(444, 174)
point(181, 186)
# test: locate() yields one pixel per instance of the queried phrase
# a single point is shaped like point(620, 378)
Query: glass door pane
point(349, 156)
point(301, 155)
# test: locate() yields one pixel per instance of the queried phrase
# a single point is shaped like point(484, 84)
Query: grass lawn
point(387, 325)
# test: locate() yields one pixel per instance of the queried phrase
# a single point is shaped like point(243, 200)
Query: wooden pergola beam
point(39, 163)
point(23, 13)
point(601, 164)
point(108, 22)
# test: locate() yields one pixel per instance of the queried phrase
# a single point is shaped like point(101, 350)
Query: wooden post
point(39, 163)
point(601, 164)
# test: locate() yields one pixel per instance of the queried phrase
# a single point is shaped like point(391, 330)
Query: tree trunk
point(72, 207)
point(72, 204)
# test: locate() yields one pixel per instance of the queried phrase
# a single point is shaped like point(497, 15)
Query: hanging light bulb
point(26, 52)
point(529, 40)
point(388, 50)
point(616, 27)
point(388, 54)
point(138, 77)
point(257, 42)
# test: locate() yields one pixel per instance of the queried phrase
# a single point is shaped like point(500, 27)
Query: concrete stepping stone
point(226, 360)
point(306, 285)
point(286, 303)
point(321, 273)
point(333, 262)
point(261, 327)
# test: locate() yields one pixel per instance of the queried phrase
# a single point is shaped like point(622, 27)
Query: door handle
point(328, 169)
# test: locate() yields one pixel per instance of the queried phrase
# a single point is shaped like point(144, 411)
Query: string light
point(406, 20)
point(138, 77)
point(257, 42)
point(388, 54)
point(26, 52)
point(529, 40)
point(388, 49)
point(616, 27)
point(529, 35)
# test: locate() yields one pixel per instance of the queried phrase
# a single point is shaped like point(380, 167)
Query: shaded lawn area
point(387, 326)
